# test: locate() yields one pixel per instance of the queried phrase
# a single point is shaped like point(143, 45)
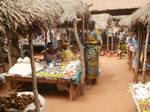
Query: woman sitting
point(50, 53)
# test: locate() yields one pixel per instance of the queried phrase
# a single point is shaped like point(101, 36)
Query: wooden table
point(135, 101)
point(67, 84)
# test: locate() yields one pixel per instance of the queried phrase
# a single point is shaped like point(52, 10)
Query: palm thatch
point(101, 20)
point(20, 13)
point(119, 17)
point(72, 9)
point(126, 21)
point(142, 15)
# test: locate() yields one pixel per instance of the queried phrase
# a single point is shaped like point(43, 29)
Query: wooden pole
point(145, 54)
point(69, 36)
point(83, 27)
point(3, 61)
point(50, 33)
point(136, 69)
point(2, 55)
point(107, 43)
point(139, 44)
point(45, 33)
point(9, 50)
point(112, 44)
point(35, 90)
point(81, 53)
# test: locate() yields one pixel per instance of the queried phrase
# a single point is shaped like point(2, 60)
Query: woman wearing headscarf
point(93, 43)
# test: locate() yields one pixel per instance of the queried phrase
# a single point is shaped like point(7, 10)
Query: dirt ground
point(111, 94)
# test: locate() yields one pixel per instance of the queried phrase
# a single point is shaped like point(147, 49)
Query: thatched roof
point(22, 13)
point(120, 17)
point(73, 9)
point(125, 21)
point(115, 4)
point(142, 15)
point(101, 20)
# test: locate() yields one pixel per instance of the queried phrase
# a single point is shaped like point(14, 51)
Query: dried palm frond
point(22, 13)
point(73, 9)
point(101, 20)
point(142, 15)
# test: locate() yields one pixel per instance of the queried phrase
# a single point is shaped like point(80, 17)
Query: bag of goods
point(20, 102)
point(23, 67)
point(2, 79)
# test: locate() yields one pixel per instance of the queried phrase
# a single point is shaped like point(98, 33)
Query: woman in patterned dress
point(93, 43)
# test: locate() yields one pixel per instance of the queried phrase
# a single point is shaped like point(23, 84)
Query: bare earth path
point(111, 94)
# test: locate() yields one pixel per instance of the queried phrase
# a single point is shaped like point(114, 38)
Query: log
point(35, 90)
point(2, 56)
point(71, 92)
point(9, 50)
point(45, 33)
point(81, 53)
point(145, 54)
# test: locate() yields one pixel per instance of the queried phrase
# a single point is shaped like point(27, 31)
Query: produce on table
point(23, 67)
point(142, 95)
point(46, 74)
point(59, 71)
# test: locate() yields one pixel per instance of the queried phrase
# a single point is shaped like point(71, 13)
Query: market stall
point(67, 74)
point(138, 22)
point(140, 94)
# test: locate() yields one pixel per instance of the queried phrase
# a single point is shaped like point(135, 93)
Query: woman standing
point(135, 61)
point(93, 43)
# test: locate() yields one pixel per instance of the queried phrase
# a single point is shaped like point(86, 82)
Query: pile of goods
point(142, 96)
point(23, 67)
point(2, 78)
point(71, 69)
point(47, 74)
point(54, 70)
point(15, 103)
point(59, 71)
point(37, 41)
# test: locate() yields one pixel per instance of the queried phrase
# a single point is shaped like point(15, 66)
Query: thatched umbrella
point(72, 12)
point(27, 16)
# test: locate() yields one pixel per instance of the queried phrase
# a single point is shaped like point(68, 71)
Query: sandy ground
point(111, 94)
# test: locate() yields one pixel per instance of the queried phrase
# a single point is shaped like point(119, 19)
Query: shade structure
point(142, 15)
point(101, 20)
point(20, 13)
point(73, 9)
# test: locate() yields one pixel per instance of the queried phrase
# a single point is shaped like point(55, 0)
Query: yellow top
point(67, 54)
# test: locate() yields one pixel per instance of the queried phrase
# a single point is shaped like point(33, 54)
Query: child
point(121, 48)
